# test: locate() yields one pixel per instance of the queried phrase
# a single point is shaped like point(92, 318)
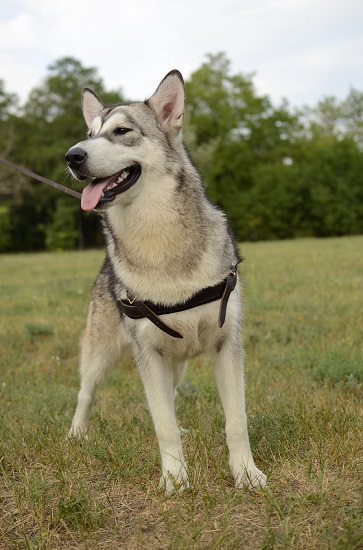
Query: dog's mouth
point(101, 191)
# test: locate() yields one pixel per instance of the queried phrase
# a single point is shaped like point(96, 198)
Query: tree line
point(278, 172)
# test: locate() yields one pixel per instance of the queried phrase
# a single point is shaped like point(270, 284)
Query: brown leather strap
point(230, 285)
point(136, 309)
point(147, 312)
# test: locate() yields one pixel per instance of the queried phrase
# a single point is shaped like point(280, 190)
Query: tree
point(277, 173)
point(353, 114)
point(62, 233)
point(331, 117)
point(11, 184)
point(331, 170)
point(8, 105)
point(60, 93)
point(54, 109)
point(52, 122)
point(233, 130)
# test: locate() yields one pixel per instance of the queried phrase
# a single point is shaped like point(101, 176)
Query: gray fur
point(165, 242)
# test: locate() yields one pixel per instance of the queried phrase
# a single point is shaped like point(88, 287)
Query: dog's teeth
point(122, 176)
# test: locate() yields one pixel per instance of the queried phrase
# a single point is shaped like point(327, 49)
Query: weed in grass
point(36, 330)
point(77, 511)
point(341, 367)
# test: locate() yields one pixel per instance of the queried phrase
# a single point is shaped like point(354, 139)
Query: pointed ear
point(92, 105)
point(168, 101)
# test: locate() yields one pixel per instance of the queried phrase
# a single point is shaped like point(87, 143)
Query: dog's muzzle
point(75, 158)
point(102, 190)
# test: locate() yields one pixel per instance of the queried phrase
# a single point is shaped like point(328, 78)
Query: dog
point(167, 289)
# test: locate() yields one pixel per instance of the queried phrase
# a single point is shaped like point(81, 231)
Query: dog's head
point(119, 150)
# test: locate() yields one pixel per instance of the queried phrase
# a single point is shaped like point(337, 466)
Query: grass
point(304, 378)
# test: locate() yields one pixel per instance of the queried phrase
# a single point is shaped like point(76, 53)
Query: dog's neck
point(170, 238)
point(153, 230)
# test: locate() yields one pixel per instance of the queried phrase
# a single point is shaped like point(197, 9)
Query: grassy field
point(304, 383)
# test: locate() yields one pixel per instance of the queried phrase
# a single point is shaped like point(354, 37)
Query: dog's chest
point(199, 327)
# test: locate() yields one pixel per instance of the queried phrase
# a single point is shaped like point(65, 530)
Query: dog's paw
point(170, 484)
point(77, 434)
point(249, 477)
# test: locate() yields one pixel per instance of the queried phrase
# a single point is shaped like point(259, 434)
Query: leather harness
point(136, 309)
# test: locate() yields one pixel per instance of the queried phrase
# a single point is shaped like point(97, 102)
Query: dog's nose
point(75, 156)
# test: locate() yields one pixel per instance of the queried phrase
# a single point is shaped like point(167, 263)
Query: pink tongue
point(92, 194)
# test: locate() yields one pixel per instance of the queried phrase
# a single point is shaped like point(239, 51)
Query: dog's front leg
point(158, 378)
point(230, 382)
point(96, 362)
point(103, 344)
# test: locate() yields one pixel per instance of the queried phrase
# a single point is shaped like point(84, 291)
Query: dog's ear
point(168, 102)
point(92, 105)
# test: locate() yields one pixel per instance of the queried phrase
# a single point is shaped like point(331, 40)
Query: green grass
point(304, 384)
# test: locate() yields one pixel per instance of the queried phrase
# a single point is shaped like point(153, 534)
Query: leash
point(30, 174)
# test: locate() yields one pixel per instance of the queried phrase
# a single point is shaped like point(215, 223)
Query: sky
point(301, 50)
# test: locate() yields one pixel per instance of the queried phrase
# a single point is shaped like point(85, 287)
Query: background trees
point(278, 172)
point(41, 217)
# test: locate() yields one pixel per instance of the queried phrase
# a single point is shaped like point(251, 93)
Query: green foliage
point(278, 173)
point(220, 103)
point(62, 233)
point(50, 123)
point(8, 102)
point(5, 228)
point(29, 215)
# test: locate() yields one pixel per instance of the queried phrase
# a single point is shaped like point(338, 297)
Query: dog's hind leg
point(230, 382)
point(159, 381)
point(179, 372)
point(102, 346)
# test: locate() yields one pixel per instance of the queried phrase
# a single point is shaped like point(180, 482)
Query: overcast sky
point(303, 50)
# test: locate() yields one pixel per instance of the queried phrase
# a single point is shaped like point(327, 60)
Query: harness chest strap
point(136, 309)
point(146, 311)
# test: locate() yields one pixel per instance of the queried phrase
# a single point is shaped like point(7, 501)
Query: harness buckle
point(130, 300)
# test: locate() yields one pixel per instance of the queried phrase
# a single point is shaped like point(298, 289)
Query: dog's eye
point(121, 131)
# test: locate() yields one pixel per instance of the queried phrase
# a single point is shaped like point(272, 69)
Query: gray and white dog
point(169, 273)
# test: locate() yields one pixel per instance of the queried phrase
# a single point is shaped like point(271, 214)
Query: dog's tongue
point(92, 194)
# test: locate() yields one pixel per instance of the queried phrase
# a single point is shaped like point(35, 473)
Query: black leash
point(30, 174)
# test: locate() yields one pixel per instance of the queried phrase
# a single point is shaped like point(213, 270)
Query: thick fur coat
point(165, 242)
